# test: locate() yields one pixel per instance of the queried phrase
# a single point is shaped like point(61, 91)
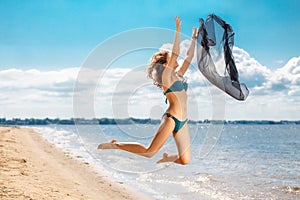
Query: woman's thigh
point(182, 139)
point(163, 133)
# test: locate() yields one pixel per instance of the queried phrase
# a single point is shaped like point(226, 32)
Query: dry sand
point(32, 168)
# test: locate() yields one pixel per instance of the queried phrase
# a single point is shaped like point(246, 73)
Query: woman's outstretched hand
point(178, 23)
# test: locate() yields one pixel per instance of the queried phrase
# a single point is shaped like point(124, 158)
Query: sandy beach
point(32, 168)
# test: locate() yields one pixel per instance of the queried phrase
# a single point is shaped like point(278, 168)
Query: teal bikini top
point(177, 86)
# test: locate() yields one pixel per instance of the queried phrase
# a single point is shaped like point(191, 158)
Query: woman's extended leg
point(182, 139)
point(164, 131)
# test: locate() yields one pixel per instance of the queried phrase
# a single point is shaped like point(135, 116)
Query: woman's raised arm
point(175, 49)
point(189, 55)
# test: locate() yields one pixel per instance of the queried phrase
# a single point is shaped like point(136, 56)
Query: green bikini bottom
point(178, 124)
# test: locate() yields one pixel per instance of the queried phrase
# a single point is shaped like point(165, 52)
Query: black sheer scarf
point(215, 59)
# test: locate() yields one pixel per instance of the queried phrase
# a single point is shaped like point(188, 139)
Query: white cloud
point(122, 92)
point(30, 93)
point(250, 70)
point(273, 94)
point(28, 79)
point(285, 80)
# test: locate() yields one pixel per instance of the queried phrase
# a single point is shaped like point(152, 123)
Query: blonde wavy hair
point(156, 67)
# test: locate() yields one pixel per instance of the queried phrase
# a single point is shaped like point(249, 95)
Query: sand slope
point(32, 168)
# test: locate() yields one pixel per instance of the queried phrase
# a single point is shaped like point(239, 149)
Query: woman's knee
point(184, 160)
point(150, 153)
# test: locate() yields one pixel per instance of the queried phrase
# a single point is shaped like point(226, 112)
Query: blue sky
point(57, 34)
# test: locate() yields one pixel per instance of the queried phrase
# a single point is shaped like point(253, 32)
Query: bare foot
point(167, 158)
point(109, 145)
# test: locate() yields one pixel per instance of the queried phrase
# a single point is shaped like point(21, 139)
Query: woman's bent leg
point(182, 139)
point(164, 131)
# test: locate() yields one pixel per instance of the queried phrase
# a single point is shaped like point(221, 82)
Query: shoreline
point(33, 168)
point(131, 120)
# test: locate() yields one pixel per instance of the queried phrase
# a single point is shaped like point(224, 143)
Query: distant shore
point(108, 121)
point(32, 168)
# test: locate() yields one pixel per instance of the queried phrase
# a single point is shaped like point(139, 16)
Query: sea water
point(228, 161)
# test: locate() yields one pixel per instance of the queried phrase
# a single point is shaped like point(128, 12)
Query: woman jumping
point(167, 75)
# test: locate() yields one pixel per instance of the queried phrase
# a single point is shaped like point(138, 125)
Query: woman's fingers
point(178, 22)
